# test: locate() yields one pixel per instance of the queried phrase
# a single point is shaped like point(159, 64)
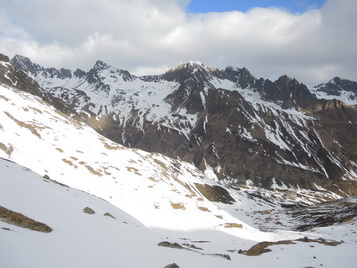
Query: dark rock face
point(11, 75)
point(25, 64)
point(289, 92)
point(227, 122)
point(328, 214)
point(336, 85)
point(4, 58)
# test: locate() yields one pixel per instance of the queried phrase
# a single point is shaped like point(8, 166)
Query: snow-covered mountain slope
point(154, 199)
point(112, 238)
point(246, 130)
point(77, 239)
point(79, 157)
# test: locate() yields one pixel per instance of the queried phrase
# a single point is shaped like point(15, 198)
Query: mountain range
point(242, 129)
point(236, 170)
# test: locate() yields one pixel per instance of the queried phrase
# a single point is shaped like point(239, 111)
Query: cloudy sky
point(312, 41)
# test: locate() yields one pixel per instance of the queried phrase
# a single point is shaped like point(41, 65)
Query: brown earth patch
point(133, 170)
point(94, 172)
point(7, 150)
point(215, 193)
point(233, 225)
point(20, 220)
point(111, 147)
point(178, 206)
point(68, 162)
point(153, 179)
point(262, 247)
point(30, 127)
point(204, 209)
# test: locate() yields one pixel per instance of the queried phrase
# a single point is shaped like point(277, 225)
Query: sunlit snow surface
point(82, 240)
point(158, 193)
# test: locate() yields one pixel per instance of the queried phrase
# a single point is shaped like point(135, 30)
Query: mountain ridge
point(272, 130)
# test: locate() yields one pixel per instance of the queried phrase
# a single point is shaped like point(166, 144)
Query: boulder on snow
point(173, 265)
point(88, 210)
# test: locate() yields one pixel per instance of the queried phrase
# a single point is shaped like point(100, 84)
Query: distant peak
point(344, 84)
point(101, 65)
point(192, 66)
point(19, 58)
point(4, 58)
point(25, 64)
point(285, 78)
point(336, 80)
point(195, 63)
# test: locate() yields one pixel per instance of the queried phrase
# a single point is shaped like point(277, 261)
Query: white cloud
point(150, 35)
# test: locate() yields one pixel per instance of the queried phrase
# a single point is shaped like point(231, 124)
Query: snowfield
point(83, 240)
point(152, 199)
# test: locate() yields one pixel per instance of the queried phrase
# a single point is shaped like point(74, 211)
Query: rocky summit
point(247, 132)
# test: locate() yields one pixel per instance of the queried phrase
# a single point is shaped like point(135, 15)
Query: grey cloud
point(153, 35)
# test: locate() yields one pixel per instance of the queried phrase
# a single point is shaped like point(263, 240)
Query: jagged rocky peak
point(336, 85)
point(191, 66)
point(33, 69)
point(61, 73)
point(344, 84)
point(4, 58)
point(286, 84)
point(25, 64)
point(242, 77)
point(12, 76)
point(190, 70)
point(79, 73)
point(100, 67)
point(286, 91)
point(194, 77)
point(21, 59)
